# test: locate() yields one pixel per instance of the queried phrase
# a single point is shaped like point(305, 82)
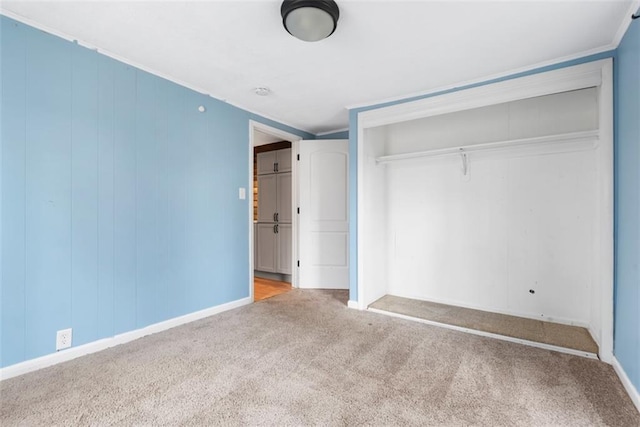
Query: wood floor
point(265, 288)
point(529, 330)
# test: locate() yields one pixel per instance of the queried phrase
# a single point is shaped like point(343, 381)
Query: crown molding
point(332, 131)
point(626, 21)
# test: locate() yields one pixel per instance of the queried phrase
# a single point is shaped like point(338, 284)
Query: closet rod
point(563, 137)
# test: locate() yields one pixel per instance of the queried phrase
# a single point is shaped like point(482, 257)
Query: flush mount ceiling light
point(310, 20)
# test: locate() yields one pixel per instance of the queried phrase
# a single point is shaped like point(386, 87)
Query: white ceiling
point(381, 50)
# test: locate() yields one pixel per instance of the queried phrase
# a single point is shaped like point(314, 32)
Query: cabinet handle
point(274, 217)
point(275, 229)
point(277, 217)
point(275, 167)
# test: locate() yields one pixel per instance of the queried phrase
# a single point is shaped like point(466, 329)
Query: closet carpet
point(303, 358)
point(572, 337)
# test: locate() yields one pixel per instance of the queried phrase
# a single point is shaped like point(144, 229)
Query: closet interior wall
point(512, 231)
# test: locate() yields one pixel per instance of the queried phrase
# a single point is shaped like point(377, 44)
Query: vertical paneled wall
point(627, 205)
point(120, 200)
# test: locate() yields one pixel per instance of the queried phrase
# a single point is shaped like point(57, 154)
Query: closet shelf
point(591, 135)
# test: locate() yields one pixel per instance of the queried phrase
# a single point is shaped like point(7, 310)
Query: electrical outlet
point(63, 339)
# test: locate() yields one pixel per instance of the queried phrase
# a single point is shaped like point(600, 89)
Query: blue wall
point(627, 204)
point(119, 199)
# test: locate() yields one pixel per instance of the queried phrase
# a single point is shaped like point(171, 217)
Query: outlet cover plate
point(63, 339)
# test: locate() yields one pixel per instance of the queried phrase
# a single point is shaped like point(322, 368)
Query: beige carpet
point(572, 337)
point(303, 358)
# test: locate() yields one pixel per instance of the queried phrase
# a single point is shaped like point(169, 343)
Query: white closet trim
point(585, 136)
point(556, 81)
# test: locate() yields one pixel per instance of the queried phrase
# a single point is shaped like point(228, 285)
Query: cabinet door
point(267, 198)
point(283, 158)
point(284, 239)
point(283, 184)
point(266, 162)
point(266, 248)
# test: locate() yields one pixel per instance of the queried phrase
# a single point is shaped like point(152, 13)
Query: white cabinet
point(267, 162)
point(283, 160)
point(273, 248)
point(284, 237)
point(266, 248)
point(273, 236)
point(283, 197)
point(267, 198)
point(274, 198)
point(274, 161)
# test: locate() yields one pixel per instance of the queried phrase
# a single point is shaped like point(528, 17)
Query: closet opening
point(489, 210)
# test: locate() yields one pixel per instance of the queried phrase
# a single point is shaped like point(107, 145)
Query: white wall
point(545, 115)
point(375, 224)
point(520, 220)
point(513, 224)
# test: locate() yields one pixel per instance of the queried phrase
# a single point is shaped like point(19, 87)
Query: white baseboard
point(626, 382)
point(353, 304)
point(604, 354)
point(488, 334)
point(102, 344)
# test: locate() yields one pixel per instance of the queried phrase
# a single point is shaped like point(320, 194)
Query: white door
point(324, 214)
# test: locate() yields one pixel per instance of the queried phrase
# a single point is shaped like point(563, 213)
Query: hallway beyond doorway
point(265, 288)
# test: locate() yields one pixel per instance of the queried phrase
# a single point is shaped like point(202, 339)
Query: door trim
point(294, 139)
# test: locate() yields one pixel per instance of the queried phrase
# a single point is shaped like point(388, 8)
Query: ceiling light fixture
point(310, 20)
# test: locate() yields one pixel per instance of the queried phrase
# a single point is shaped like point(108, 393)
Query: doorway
point(273, 225)
point(272, 189)
point(313, 217)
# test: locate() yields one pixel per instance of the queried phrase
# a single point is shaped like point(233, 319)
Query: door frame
point(295, 140)
point(597, 74)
